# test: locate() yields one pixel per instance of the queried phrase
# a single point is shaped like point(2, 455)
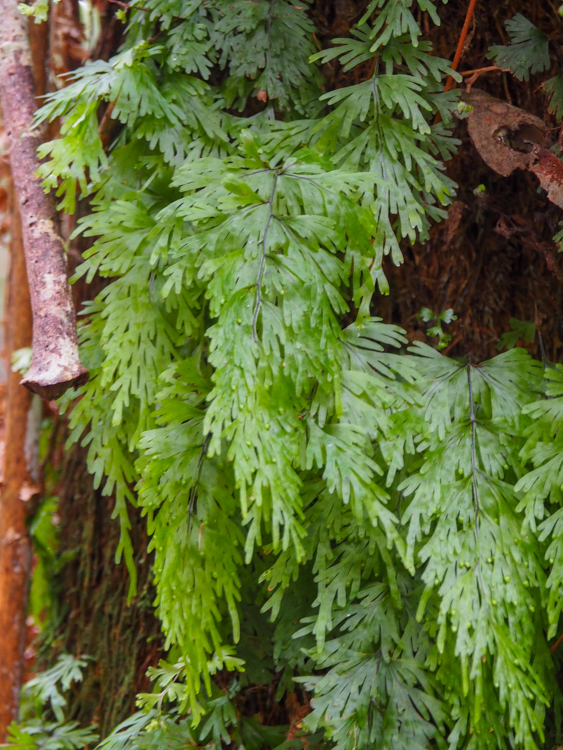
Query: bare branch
point(55, 364)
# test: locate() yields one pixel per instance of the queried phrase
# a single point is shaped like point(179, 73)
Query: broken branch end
point(50, 387)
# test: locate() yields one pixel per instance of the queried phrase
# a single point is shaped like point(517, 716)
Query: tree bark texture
point(121, 639)
point(15, 546)
point(55, 364)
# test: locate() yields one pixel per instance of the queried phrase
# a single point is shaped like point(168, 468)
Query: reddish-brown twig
point(461, 43)
point(478, 71)
point(459, 51)
point(472, 75)
point(129, 7)
point(556, 645)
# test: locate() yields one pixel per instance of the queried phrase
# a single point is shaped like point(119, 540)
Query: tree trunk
point(95, 620)
point(17, 487)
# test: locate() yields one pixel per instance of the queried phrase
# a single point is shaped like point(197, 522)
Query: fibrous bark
point(15, 546)
point(122, 639)
point(55, 364)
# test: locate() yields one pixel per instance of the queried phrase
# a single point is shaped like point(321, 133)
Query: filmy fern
point(528, 53)
point(293, 461)
point(42, 701)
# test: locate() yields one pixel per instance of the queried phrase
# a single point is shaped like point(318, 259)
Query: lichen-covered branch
point(55, 365)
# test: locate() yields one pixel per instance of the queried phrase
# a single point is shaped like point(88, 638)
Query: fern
point(44, 695)
point(528, 52)
point(554, 89)
point(321, 503)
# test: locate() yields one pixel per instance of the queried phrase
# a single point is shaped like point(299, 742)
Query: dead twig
point(473, 75)
point(461, 43)
point(459, 51)
point(129, 7)
point(55, 364)
point(479, 71)
point(556, 645)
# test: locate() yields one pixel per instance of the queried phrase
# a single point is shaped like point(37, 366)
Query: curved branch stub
point(503, 135)
point(55, 365)
point(509, 138)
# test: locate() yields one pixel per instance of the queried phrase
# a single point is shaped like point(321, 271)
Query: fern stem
point(192, 502)
point(473, 449)
point(378, 116)
point(263, 259)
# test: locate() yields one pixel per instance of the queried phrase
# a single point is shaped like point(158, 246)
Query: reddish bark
point(55, 364)
point(39, 41)
point(549, 170)
point(15, 547)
